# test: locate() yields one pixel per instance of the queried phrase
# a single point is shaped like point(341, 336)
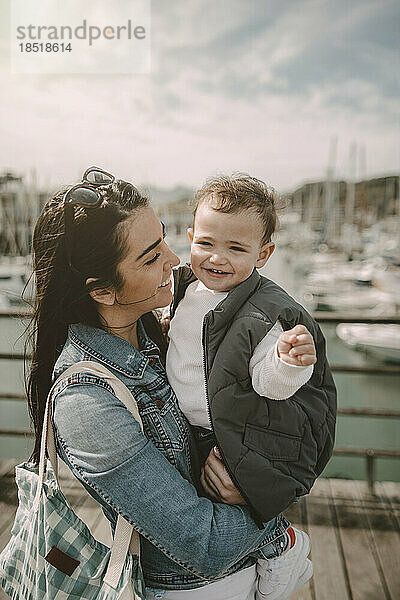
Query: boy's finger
point(304, 349)
point(304, 338)
point(287, 337)
point(299, 329)
point(283, 347)
point(308, 359)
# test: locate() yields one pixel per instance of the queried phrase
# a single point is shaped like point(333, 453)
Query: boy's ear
point(190, 234)
point(264, 254)
point(102, 295)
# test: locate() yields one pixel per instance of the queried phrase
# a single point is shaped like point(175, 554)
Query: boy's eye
point(153, 260)
point(204, 243)
point(238, 249)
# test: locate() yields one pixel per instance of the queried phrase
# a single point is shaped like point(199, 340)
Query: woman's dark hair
point(62, 296)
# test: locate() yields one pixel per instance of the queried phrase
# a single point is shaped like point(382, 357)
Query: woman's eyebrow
point(153, 245)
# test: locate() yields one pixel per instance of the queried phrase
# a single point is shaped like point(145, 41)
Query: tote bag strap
point(125, 537)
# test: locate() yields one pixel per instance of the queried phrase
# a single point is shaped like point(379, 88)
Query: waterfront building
point(20, 205)
point(327, 206)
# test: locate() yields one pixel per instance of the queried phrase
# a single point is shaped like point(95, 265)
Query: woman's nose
point(172, 258)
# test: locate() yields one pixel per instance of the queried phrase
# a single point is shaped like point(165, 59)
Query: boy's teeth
point(215, 271)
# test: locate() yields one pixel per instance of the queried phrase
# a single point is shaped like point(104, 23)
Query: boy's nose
point(217, 259)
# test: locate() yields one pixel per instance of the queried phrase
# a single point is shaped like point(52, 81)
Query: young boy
point(230, 363)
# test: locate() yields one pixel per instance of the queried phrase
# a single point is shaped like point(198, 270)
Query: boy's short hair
point(240, 192)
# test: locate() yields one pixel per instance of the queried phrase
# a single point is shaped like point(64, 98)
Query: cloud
point(255, 86)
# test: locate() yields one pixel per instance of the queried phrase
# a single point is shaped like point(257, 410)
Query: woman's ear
point(104, 296)
point(264, 254)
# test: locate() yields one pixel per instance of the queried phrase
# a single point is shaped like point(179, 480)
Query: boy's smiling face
point(226, 247)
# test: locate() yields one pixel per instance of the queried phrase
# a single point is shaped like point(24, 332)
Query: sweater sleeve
point(271, 376)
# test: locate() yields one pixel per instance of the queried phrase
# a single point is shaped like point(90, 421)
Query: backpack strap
point(125, 537)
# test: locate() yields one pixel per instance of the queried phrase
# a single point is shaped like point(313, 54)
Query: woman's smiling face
point(147, 267)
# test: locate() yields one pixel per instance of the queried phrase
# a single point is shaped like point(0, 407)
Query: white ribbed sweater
point(271, 376)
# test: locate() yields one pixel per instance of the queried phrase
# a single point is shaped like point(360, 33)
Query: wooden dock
point(355, 536)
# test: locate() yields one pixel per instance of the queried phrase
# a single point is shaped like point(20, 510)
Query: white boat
point(349, 299)
point(348, 287)
point(379, 340)
point(388, 280)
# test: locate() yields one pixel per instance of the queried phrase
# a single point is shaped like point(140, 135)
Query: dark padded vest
point(273, 450)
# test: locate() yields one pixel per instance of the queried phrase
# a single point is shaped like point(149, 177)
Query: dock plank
point(377, 510)
point(354, 536)
point(391, 491)
point(330, 574)
point(364, 577)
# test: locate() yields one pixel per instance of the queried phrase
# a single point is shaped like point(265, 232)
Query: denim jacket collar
point(114, 351)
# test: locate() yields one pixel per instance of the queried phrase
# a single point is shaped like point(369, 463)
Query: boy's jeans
point(205, 441)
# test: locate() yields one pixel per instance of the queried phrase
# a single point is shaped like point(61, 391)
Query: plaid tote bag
point(52, 555)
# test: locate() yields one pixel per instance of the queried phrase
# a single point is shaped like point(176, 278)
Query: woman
point(102, 266)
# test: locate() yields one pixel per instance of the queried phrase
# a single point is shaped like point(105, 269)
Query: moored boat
point(379, 340)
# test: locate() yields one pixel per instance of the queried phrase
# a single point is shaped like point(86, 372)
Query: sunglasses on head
point(84, 195)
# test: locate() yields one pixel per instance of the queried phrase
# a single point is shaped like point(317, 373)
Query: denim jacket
point(187, 541)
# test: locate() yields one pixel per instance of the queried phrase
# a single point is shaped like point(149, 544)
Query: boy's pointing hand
point(296, 347)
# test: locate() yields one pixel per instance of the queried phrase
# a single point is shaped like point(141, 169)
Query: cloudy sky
point(260, 86)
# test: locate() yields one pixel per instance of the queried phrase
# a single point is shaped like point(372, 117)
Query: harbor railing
point(369, 454)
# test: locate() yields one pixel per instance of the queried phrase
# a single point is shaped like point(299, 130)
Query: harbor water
point(354, 390)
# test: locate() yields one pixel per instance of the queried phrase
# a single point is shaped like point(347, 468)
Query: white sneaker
point(280, 577)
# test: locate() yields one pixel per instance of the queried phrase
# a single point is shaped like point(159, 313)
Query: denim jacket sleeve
point(110, 454)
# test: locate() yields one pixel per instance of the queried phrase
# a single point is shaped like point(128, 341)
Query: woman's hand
point(216, 481)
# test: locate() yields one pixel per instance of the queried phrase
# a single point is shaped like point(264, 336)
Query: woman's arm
point(108, 451)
